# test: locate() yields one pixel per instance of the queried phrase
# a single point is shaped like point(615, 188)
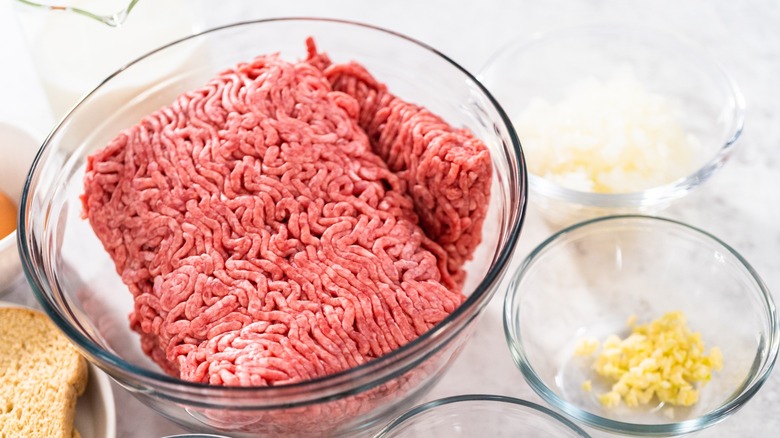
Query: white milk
point(74, 53)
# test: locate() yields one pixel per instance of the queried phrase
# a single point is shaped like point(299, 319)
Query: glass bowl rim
point(491, 398)
point(340, 383)
point(665, 192)
point(756, 381)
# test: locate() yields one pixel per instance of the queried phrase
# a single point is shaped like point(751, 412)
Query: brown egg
point(7, 215)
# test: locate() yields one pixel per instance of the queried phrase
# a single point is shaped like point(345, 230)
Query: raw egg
point(7, 215)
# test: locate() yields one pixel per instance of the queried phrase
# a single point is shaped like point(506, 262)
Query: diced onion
point(607, 137)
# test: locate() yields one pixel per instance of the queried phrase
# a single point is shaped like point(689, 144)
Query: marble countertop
point(741, 204)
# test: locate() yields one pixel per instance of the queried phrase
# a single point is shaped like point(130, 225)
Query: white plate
point(95, 413)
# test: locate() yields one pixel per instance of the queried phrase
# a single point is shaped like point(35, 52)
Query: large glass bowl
point(479, 415)
point(550, 65)
point(75, 281)
point(585, 282)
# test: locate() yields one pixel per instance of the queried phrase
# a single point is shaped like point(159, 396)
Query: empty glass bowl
point(584, 283)
point(646, 115)
point(480, 416)
point(77, 285)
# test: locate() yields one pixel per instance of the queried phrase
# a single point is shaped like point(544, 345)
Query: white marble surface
point(741, 204)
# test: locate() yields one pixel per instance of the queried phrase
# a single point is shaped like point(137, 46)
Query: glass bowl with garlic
point(641, 325)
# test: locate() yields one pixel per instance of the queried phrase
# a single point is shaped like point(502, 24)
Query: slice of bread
point(41, 376)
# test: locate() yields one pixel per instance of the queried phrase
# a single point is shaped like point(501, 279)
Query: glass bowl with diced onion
point(618, 322)
point(300, 347)
point(615, 119)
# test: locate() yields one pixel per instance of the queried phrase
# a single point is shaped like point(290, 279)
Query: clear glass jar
point(76, 44)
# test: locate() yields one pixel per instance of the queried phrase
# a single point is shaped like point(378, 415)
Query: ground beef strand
point(262, 238)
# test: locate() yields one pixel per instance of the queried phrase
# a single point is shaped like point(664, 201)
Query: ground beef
point(447, 170)
point(287, 221)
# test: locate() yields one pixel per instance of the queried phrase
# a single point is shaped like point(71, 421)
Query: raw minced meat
point(287, 220)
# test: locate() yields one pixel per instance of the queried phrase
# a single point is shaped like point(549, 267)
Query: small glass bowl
point(480, 416)
point(587, 280)
point(548, 65)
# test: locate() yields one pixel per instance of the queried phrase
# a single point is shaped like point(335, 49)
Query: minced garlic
point(664, 359)
point(587, 347)
point(587, 386)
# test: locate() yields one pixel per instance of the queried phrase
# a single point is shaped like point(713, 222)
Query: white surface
point(741, 204)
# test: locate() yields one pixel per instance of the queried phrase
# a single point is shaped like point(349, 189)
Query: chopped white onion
point(607, 137)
